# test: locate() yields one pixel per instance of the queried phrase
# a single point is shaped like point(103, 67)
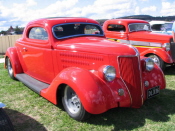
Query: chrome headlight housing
point(109, 73)
point(166, 46)
point(149, 64)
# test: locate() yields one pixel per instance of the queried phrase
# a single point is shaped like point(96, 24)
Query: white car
point(164, 27)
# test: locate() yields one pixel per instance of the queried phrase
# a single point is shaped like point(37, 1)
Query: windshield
point(162, 27)
point(168, 26)
point(62, 31)
point(139, 27)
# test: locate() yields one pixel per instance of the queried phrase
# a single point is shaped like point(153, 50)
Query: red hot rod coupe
point(159, 47)
point(69, 61)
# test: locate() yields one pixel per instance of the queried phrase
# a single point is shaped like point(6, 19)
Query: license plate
point(153, 92)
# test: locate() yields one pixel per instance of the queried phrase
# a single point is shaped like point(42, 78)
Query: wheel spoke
point(72, 101)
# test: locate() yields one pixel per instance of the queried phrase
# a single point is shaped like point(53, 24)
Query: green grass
point(1, 56)
point(30, 112)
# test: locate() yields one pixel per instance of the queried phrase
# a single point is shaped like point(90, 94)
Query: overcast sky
point(19, 12)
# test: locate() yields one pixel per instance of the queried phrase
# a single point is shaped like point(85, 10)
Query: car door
point(36, 55)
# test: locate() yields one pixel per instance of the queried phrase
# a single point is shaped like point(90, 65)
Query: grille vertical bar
point(130, 73)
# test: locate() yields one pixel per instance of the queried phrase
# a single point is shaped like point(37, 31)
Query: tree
point(3, 32)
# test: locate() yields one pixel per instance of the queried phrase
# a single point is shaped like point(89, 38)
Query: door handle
point(25, 49)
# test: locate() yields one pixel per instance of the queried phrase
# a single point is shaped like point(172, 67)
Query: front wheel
point(158, 61)
point(73, 106)
point(10, 69)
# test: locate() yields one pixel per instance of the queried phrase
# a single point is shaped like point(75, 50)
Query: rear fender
point(159, 52)
point(12, 54)
point(92, 91)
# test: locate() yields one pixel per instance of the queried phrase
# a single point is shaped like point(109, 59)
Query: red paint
point(140, 36)
point(78, 62)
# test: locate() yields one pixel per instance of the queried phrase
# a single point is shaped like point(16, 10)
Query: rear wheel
point(158, 61)
point(73, 106)
point(10, 69)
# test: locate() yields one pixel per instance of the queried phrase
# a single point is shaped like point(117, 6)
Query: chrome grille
point(130, 73)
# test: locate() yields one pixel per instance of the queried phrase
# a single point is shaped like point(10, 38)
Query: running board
point(32, 83)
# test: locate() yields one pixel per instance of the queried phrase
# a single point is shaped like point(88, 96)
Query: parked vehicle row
point(164, 27)
point(70, 61)
point(159, 47)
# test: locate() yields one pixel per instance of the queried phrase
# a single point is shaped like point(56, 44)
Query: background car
point(164, 27)
point(159, 47)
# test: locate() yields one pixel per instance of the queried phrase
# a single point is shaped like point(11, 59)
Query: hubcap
point(72, 101)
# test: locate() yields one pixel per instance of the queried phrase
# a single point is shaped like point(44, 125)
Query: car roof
point(61, 20)
point(126, 21)
point(159, 22)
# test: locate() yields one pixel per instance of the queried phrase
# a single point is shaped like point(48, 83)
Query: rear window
point(116, 27)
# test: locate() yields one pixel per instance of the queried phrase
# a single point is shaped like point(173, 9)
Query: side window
point(118, 28)
point(156, 27)
point(38, 33)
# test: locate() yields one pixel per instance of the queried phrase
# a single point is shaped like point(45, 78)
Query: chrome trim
point(149, 60)
point(165, 46)
point(104, 73)
point(139, 43)
point(136, 50)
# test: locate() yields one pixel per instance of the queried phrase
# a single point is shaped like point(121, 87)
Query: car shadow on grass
point(170, 70)
point(22, 122)
point(156, 109)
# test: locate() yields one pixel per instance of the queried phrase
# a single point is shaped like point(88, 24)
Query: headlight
point(166, 46)
point(109, 73)
point(149, 64)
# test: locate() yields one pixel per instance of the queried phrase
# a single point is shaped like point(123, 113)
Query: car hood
point(95, 45)
point(149, 36)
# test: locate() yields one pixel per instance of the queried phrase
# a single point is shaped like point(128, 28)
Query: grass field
point(30, 112)
point(1, 56)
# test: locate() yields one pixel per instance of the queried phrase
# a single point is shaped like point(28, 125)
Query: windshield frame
point(140, 24)
point(76, 35)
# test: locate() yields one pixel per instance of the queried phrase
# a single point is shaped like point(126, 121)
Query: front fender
point(159, 52)
point(96, 96)
point(12, 54)
point(155, 78)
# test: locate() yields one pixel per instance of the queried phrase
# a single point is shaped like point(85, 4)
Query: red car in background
point(159, 47)
point(69, 61)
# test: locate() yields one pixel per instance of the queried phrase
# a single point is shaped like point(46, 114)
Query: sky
point(20, 12)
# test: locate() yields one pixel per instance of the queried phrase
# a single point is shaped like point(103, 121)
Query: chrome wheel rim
point(72, 101)
point(155, 59)
point(9, 67)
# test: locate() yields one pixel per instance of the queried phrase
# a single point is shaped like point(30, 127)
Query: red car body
point(158, 46)
point(50, 62)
